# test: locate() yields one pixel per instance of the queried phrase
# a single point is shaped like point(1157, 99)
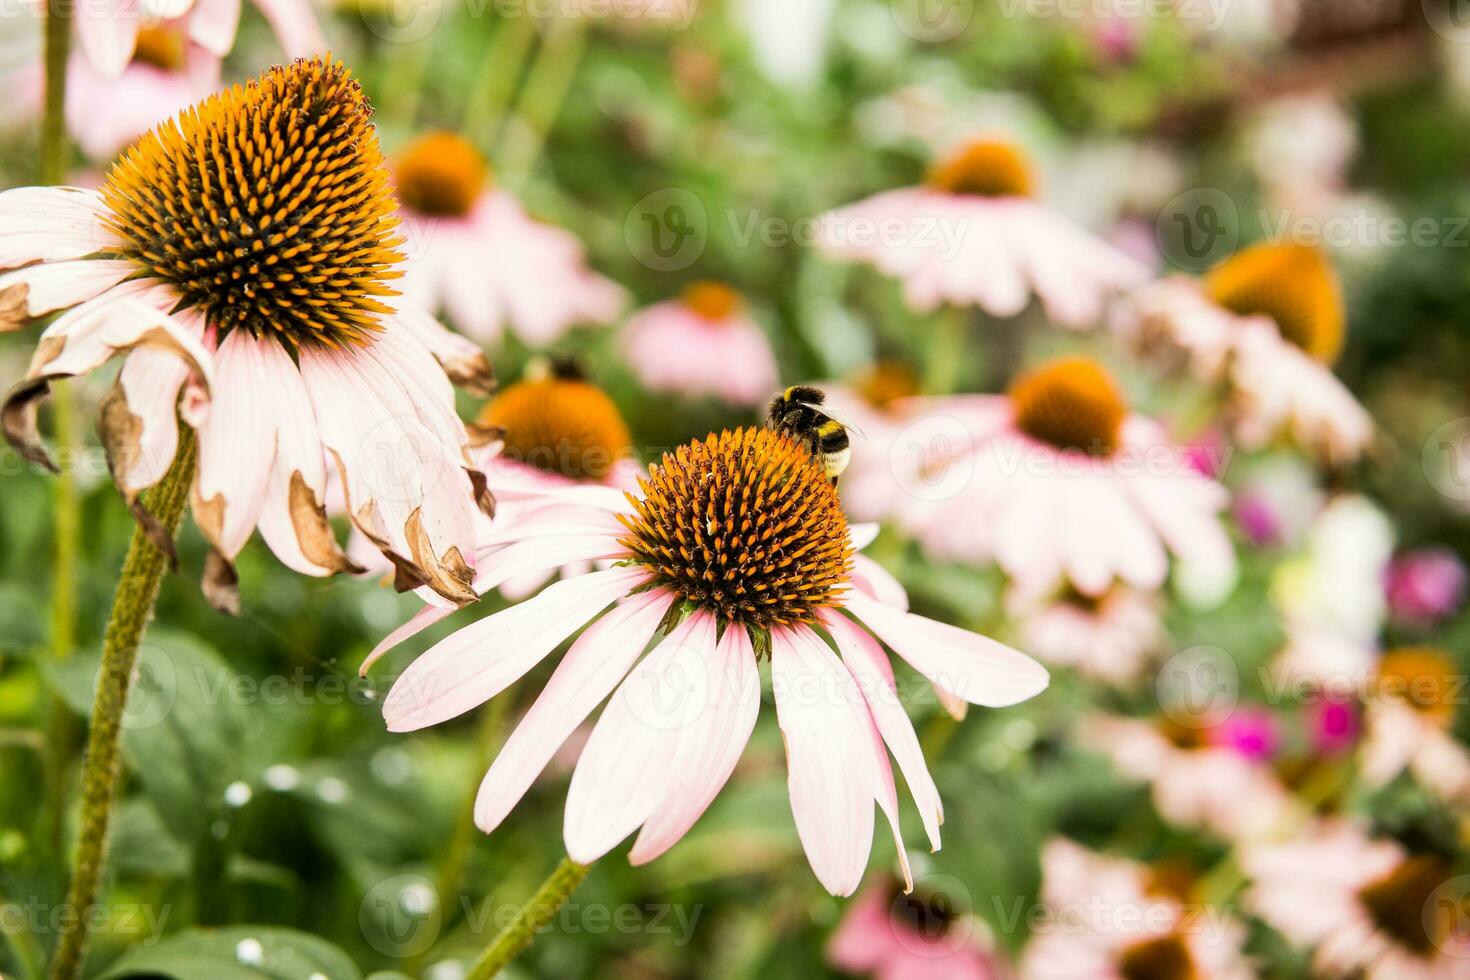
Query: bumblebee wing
point(835, 415)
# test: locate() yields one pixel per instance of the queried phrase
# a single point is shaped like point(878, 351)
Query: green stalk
point(491, 91)
point(533, 916)
point(946, 348)
point(132, 608)
point(541, 100)
point(66, 505)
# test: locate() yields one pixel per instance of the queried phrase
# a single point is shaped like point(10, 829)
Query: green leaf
point(237, 953)
point(187, 731)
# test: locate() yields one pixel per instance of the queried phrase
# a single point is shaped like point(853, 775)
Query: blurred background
point(691, 141)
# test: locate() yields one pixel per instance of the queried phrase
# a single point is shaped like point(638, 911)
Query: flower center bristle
point(160, 47)
point(745, 524)
point(1294, 285)
point(1070, 403)
point(984, 168)
point(710, 300)
point(441, 175)
point(267, 208)
point(560, 425)
point(1164, 958)
point(1402, 905)
point(1423, 679)
point(886, 382)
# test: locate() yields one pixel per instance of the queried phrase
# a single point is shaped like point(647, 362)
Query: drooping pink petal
point(601, 657)
point(543, 553)
point(139, 422)
point(627, 766)
point(213, 23)
point(461, 358)
point(874, 675)
point(237, 445)
point(416, 624)
point(34, 291)
point(709, 746)
point(974, 667)
point(831, 772)
point(478, 662)
point(51, 224)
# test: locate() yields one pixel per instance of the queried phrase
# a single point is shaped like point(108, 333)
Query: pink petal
point(108, 30)
point(542, 554)
point(829, 757)
point(874, 675)
point(295, 25)
point(974, 667)
point(594, 665)
point(709, 746)
point(416, 624)
point(237, 443)
point(478, 662)
point(149, 383)
point(50, 224)
point(627, 766)
point(53, 286)
point(213, 23)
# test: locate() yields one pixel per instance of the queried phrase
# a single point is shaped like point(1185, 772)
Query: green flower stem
point(132, 608)
point(541, 100)
point(534, 915)
point(501, 69)
point(66, 505)
point(946, 348)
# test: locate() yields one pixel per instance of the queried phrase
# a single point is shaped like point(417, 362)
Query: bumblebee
point(800, 411)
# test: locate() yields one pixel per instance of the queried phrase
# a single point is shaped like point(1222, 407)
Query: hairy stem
point(533, 916)
point(132, 608)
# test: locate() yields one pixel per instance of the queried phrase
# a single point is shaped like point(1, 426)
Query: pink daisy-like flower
point(1111, 919)
point(973, 235)
point(1059, 484)
point(109, 29)
point(1109, 637)
point(1367, 907)
point(704, 343)
point(892, 935)
point(735, 550)
point(477, 255)
point(1267, 323)
point(1408, 721)
point(1195, 781)
point(1425, 586)
point(287, 361)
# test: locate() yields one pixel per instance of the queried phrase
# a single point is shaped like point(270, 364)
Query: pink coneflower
point(890, 935)
point(481, 258)
point(555, 431)
point(1059, 483)
point(973, 235)
point(1408, 720)
point(1425, 586)
point(1109, 637)
point(1194, 781)
point(1268, 323)
point(1111, 919)
point(1367, 907)
point(704, 343)
point(109, 30)
point(736, 550)
point(191, 262)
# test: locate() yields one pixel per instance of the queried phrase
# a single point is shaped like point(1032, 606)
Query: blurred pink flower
point(1195, 783)
point(1107, 921)
point(678, 719)
point(893, 936)
point(1425, 586)
point(109, 29)
point(1332, 725)
point(1366, 908)
point(1109, 637)
point(476, 254)
point(1254, 733)
point(972, 235)
point(1408, 721)
point(1269, 322)
point(1058, 483)
point(704, 343)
